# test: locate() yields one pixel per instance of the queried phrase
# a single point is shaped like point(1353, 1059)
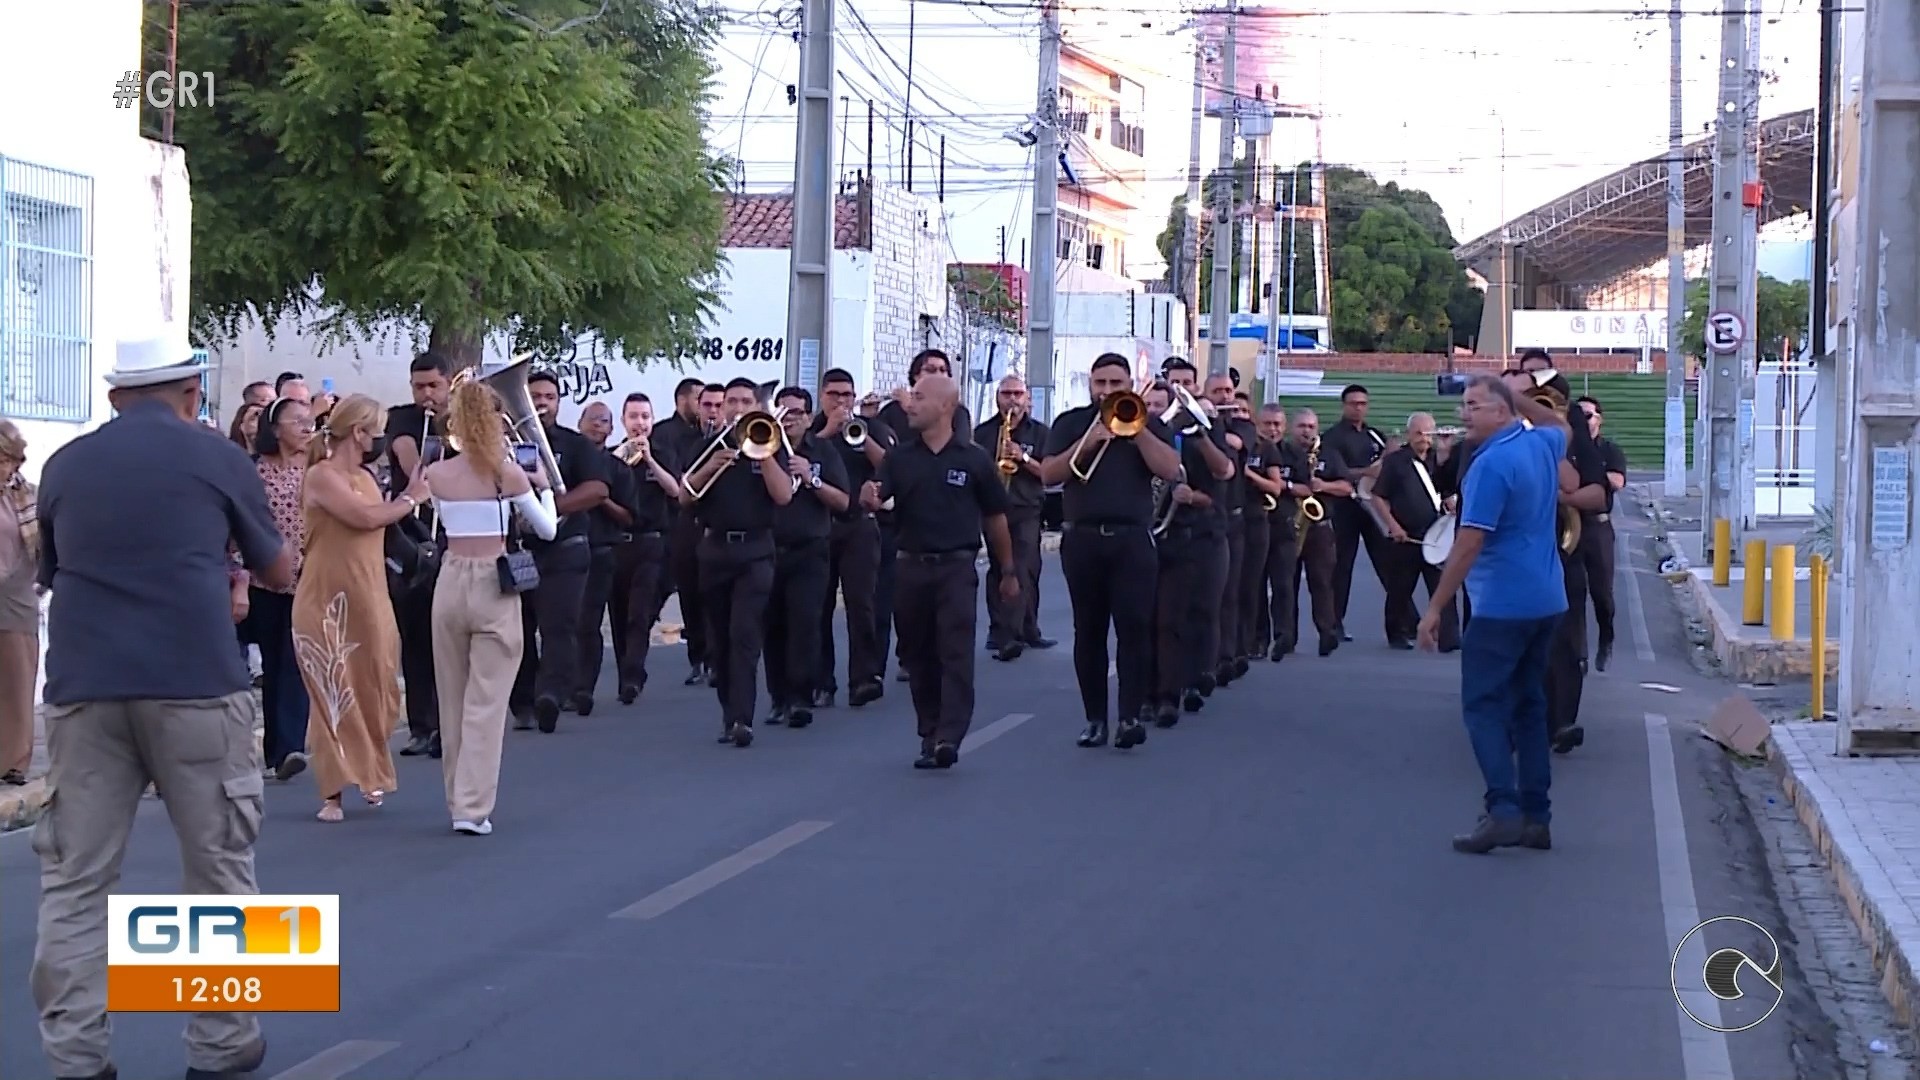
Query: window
point(46, 293)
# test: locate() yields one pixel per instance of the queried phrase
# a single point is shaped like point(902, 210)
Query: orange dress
point(349, 650)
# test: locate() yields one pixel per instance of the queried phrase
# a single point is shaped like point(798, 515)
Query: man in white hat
point(144, 685)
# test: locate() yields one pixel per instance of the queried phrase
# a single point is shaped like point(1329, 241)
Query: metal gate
point(1784, 438)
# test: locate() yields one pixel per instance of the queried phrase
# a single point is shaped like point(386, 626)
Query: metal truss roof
point(1594, 235)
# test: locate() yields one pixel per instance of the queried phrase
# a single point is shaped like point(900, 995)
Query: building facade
point(1104, 223)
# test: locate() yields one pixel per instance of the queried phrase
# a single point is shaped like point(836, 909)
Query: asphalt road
point(1267, 890)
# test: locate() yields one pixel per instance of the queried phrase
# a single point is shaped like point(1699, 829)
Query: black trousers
point(883, 589)
point(1226, 602)
point(639, 574)
point(1252, 597)
point(735, 581)
point(1567, 655)
point(799, 591)
point(1016, 620)
point(1406, 567)
point(594, 601)
point(283, 694)
point(1316, 561)
point(1352, 528)
point(853, 570)
point(413, 617)
point(1597, 552)
point(550, 621)
point(1186, 615)
point(937, 608)
point(683, 546)
point(1279, 619)
point(1111, 573)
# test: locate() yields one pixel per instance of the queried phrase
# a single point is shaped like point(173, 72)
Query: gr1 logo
point(208, 931)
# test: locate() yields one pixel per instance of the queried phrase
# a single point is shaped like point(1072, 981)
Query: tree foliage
point(1395, 287)
point(1780, 315)
point(536, 167)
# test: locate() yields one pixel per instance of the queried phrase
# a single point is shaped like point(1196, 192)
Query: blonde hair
point(473, 419)
point(355, 412)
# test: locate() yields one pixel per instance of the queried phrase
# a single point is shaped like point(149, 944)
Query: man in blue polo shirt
point(1506, 554)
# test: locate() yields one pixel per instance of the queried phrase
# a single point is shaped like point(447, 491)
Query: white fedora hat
point(151, 361)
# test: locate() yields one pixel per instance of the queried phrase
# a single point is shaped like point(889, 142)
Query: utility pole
point(1046, 226)
point(1189, 253)
point(1220, 300)
point(1750, 349)
point(1723, 371)
point(1676, 414)
point(1881, 566)
point(810, 277)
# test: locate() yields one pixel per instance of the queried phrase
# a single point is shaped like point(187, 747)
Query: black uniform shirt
point(647, 501)
point(806, 517)
point(738, 501)
point(1293, 470)
point(1405, 493)
point(1238, 494)
point(1208, 520)
point(940, 498)
point(1026, 492)
point(853, 463)
point(410, 421)
point(894, 415)
point(1615, 460)
point(1262, 455)
point(1121, 491)
point(580, 462)
point(602, 530)
point(1357, 447)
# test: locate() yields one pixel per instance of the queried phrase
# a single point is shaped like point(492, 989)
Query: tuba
point(520, 419)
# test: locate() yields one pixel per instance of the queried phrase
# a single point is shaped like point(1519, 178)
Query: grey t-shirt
point(135, 522)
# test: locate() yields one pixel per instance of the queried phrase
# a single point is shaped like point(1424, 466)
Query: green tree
point(1177, 220)
point(1780, 315)
point(536, 167)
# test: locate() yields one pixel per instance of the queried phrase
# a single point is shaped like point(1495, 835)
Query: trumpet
point(1124, 413)
point(854, 431)
point(757, 436)
point(633, 451)
point(1009, 461)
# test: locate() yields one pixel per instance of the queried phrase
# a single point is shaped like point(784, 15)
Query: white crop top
point(488, 517)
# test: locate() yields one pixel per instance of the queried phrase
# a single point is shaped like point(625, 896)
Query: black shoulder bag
point(518, 572)
point(412, 556)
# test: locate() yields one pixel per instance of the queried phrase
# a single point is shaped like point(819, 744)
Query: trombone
point(757, 436)
point(1124, 413)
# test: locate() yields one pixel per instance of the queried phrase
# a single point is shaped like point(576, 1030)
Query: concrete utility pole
point(1728, 329)
point(1750, 350)
point(1046, 225)
point(810, 284)
point(1880, 626)
point(1676, 416)
point(1220, 299)
point(1189, 253)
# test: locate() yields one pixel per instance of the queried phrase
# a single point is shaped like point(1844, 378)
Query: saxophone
point(1311, 511)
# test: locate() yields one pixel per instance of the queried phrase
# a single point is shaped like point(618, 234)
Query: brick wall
point(896, 325)
point(1416, 363)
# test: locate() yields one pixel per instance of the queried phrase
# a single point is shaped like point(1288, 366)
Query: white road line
point(691, 886)
point(996, 729)
point(337, 1061)
point(1703, 1053)
point(1624, 573)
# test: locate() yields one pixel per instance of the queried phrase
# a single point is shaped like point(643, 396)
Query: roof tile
point(766, 221)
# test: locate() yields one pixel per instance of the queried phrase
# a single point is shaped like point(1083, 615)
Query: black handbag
point(412, 556)
point(518, 572)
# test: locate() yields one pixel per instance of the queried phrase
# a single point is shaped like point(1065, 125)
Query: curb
point(1894, 946)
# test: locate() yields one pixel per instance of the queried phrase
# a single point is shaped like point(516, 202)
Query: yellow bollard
point(1817, 578)
point(1783, 589)
point(1753, 604)
point(1723, 553)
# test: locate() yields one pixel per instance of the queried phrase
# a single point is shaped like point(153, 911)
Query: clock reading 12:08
point(232, 990)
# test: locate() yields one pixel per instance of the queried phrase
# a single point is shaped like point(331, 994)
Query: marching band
point(1191, 523)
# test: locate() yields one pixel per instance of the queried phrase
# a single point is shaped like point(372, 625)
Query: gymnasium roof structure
point(1598, 233)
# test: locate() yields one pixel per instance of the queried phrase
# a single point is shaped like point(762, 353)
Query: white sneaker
point(473, 828)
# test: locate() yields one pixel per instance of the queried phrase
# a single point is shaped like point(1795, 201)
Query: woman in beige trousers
point(19, 606)
point(477, 636)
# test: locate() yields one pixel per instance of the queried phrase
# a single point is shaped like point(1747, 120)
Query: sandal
point(376, 797)
point(330, 811)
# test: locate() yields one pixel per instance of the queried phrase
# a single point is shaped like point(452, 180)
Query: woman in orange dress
point(343, 629)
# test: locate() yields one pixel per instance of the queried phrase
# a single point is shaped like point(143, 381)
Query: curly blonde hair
point(355, 412)
point(473, 420)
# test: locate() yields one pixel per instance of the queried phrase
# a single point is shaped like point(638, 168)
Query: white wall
point(58, 65)
point(753, 306)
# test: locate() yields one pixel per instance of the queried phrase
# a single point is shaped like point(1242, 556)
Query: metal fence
point(46, 292)
point(1785, 442)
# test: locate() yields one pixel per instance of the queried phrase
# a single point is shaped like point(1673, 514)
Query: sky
point(1493, 107)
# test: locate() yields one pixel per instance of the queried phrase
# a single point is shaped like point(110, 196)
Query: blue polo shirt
point(1513, 496)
